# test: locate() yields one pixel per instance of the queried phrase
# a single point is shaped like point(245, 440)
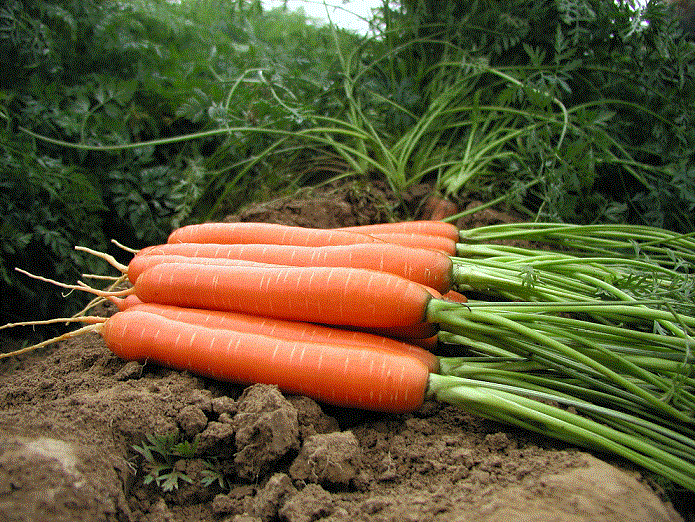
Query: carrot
point(428, 267)
point(266, 233)
point(338, 374)
point(331, 295)
point(438, 208)
point(406, 333)
point(443, 244)
point(125, 302)
point(283, 329)
point(422, 227)
point(139, 264)
point(454, 296)
point(344, 376)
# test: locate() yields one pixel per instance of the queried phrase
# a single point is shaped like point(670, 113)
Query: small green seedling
point(213, 474)
point(161, 453)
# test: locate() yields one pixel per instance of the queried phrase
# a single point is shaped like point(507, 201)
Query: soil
point(72, 414)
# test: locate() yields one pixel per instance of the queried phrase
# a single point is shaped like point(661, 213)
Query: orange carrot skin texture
point(145, 250)
point(424, 227)
point(454, 296)
point(429, 267)
point(126, 302)
point(442, 244)
point(140, 263)
point(350, 377)
point(404, 333)
point(289, 330)
point(267, 233)
point(331, 295)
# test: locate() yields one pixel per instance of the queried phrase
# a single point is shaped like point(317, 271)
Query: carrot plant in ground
point(584, 109)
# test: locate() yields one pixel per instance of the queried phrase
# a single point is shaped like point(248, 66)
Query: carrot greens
point(612, 433)
point(584, 333)
point(658, 245)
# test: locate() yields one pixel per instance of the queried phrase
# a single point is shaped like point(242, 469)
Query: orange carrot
point(423, 227)
point(406, 333)
point(438, 208)
point(428, 267)
point(454, 296)
point(125, 302)
point(411, 332)
point(283, 329)
point(344, 376)
point(266, 233)
point(442, 244)
point(141, 263)
point(332, 295)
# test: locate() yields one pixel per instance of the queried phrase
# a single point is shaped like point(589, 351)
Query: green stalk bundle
point(594, 319)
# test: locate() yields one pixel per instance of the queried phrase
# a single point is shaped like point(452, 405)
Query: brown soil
point(71, 414)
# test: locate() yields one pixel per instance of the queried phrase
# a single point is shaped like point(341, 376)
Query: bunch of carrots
point(346, 316)
point(306, 309)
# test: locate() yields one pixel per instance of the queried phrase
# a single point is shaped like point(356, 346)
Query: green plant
point(213, 474)
point(47, 207)
point(161, 453)
point(588, 102)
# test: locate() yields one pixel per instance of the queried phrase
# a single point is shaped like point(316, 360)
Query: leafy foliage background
point(624, 72)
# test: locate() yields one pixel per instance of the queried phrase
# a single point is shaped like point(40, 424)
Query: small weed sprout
point(161, 453)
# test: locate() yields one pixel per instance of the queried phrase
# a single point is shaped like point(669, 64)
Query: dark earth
point(71, 414)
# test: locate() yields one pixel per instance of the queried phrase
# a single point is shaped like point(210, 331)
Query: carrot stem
point(512, 405)
point(529, 331)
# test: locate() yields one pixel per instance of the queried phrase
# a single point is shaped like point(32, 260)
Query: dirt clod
point(266, 429)
point(275, 493)
point(310, 504)
point(332, 459)
point(311, 418)
point(192, 421)
point(216, 440)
